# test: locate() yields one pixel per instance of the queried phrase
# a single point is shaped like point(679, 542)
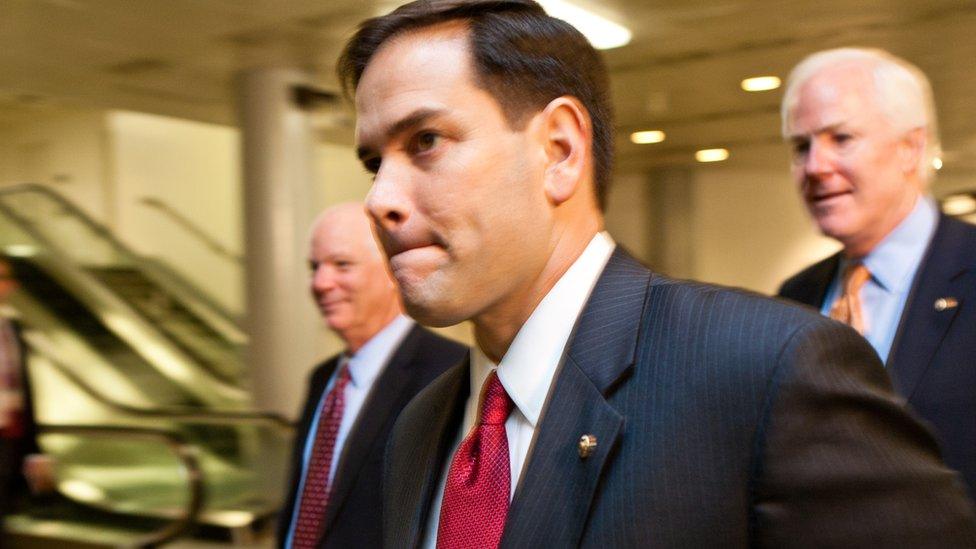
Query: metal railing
point(185, 453)
point(178, 284)
point(192, 229)
point(175, 413)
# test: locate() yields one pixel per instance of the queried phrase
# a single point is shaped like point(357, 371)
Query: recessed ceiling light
point(647, 136)
point(712, 155)
point(603, 33)
point(760, 83)
point(959, 204)
point(937, 163)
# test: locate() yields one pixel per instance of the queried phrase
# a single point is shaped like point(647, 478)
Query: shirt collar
point(527, 369)
point(893, 261)
point(366, 364)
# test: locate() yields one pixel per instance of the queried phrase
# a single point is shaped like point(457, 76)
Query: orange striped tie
point(847, 308)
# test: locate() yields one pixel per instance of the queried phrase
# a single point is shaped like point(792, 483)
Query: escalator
point(120, 346)
point(78, 318)
point(193, 336)
point(206, 332)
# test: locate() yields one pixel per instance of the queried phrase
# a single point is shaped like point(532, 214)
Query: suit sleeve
point(842, 462)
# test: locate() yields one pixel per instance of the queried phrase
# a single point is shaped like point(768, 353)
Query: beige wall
point(751, 228)
point(192, 168)
point(63, 148)
point(736, 224)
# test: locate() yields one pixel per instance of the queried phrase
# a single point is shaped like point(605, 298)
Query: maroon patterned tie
point(479, 481)
point(315, 494)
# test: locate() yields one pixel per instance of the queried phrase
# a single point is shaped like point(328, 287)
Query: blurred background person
point(17, 437)
point(354, 398)
point(22, 467)
point(863, 130)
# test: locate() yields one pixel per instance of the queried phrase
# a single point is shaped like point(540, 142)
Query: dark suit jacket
point(722, 419)
point(354, 516)
point(933, 357)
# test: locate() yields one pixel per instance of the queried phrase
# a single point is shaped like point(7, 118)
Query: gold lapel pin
point(587, 445)
point(944, 303)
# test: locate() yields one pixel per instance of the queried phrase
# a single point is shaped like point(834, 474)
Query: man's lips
point(326, 305)
point(825, 196)
point(413, 253)
point(394, 247)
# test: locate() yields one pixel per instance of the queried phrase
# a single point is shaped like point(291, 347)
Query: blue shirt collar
point(366, 364)
point(893, 261)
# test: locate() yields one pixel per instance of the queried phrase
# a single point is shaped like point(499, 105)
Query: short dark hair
point(523, 57)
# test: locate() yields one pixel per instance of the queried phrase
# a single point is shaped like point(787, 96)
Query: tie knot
point(856, 275)
point(495, 404)
point(344, 376)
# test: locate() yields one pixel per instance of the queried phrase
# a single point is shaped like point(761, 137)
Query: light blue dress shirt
point(364, 367)
point(893, 264)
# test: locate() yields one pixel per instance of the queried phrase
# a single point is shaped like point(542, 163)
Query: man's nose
point(388, 202)
point(819, 160)
point(323, 278)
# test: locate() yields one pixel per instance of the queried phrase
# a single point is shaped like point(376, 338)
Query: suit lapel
point(383, 398)
point(425, 448)
point(814, 291)
point(317, 385)
point(557, 485)
point(948, 270)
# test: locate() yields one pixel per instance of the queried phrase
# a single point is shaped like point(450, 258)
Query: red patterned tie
point(479, 481)
point(315, 494)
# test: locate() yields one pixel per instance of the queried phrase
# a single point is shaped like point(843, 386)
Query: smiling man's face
point(457, 200)
point(347, 277)
point(855, 170)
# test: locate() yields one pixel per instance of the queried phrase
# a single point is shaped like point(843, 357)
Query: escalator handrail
point(184, 452)
point(105, 233)
point(192, 228)
point(175, 413)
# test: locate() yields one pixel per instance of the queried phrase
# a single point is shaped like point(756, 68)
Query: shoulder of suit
point(727, 303)
point(431, 340)
point(808, 275)
point(324, 367)
point(446, 382)
point(951, 227)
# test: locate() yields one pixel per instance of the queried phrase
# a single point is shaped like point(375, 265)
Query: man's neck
point(858, 248)
point(355, 339)
point(496, 327)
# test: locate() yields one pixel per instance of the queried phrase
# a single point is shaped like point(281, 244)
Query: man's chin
point(433, 314)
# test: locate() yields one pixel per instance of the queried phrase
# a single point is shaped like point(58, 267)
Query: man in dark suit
point(604, 405)
point(354, 398)
point(863, 129)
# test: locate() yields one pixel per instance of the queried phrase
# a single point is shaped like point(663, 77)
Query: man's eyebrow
point(413, 119)
point(826, 128)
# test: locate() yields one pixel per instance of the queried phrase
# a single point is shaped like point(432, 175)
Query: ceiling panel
point(681, 72)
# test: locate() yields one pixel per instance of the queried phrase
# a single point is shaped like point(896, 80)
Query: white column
point(277, 150)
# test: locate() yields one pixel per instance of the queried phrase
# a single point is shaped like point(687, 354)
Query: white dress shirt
point(528, 367)
point(364, 367)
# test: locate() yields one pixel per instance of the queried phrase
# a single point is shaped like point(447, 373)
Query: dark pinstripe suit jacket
point(933, 357)
point(723, 419)
point(353, 516)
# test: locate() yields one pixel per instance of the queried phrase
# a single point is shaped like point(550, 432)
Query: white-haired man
point(863, 131)
point(353, 398)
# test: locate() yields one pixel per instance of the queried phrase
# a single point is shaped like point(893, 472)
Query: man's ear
point(913, 148)
point(568, 135)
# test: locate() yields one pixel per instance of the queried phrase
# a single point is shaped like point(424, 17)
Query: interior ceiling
point(680, 73)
